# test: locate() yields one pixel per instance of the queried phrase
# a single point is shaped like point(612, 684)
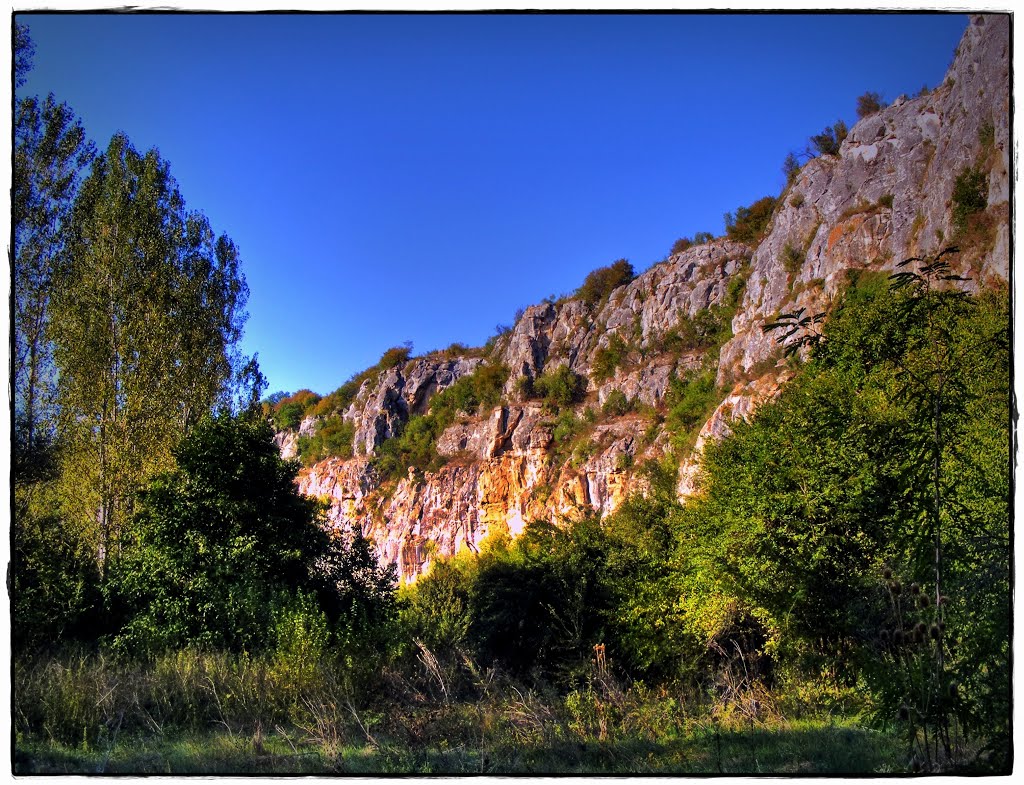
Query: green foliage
point(50, 154)
point(792, 259)
point(708, 328)
point(734, 291)
point(395, 356)
point(616, 404)
point(829, 141)
point(970, 196)
point(608, 358)
point(560, 387)
point(869, 104)
point(601, 282)
point(217, 544)
point(416, 443)
point(885, 200)
point(333, 437)
point(435, 609)
point(413, 446)
point(289, 411)
point(701, 238)
point(646, 630)
point(791, 168)
point(147, 307)
point(680, 245)
point(690, 401)
point(987, 136)
point(55, 584)
point(224, 553)
point(748, 225)
point(803, 506)
point(479, 390)
point(536, 603)
point(567, 427)
point(24, 50)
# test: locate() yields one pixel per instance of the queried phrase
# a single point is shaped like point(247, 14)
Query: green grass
point(809, 747)
point(217, 713)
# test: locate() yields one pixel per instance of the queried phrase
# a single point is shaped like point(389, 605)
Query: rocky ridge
point(886, 196)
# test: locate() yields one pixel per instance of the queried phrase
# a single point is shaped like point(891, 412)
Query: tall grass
point(211, 712)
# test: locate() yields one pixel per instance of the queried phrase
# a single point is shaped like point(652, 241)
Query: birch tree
point(148, 306)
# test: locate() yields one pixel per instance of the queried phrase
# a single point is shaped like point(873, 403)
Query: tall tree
point(24, 51)
point(147, 309)
point(50, 153)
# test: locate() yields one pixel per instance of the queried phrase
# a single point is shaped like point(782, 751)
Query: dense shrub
point(616, 404)
point(869, 104)
point(749, 223)
point(680, 245)
point(55, 583)
point(395, 356)
point(223, 546)
point(608, 358)
point(560, 387)
point(289, 410)
point(708, 328)
point(790, 168)
point(334, 437)
point(690, 401)
point(603, 281)
point(480, 389)
point(829, 140)
point(792, 259)
point(969, 197)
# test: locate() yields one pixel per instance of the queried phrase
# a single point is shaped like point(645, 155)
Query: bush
point(616, 404)
point(608, 358)
point(216, 544)
point(690, 402)
point(734, 290)
point(55, 583)
point(792, 259)
point(707, 329)
point(829, 140)
point(289, 410)
point(680, 245)
point(869, 104)
point(415, 446)
point(333, 438)
point(603, 281)
point(395, 356)
point(560, 387)
point(749, 223)
point(567, 427)
point(969, 197)
point(790, 168)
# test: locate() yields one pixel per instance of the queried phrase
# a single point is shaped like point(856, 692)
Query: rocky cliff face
point(886, 196)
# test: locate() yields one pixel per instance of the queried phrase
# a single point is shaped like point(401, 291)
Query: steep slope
point(649, 351)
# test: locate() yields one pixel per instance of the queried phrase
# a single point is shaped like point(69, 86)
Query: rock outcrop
point(887, 195)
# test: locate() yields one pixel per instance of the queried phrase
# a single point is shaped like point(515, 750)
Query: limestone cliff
point(887, 195)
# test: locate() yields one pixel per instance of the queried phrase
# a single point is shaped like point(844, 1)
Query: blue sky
point(395, 178)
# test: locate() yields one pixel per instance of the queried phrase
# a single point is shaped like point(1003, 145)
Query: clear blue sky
point(391, 178)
